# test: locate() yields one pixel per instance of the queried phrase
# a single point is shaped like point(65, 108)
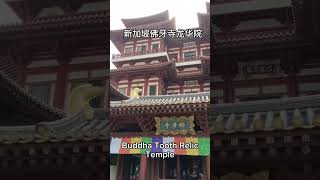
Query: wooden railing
point(137, 53)
point(190, 59)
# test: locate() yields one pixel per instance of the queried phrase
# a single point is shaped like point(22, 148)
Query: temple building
point(49, 52)
point(53, 80)
point(161, 65)
point(167, 80)
point(265, 89)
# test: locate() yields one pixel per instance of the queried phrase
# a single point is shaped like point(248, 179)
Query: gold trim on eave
point(179, 120)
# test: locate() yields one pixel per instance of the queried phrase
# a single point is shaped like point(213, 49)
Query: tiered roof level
point(162, 63)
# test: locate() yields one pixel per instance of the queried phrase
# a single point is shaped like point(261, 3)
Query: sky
point(185, 12)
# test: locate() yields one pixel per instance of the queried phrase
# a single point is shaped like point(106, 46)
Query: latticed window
point(206, 52)
point(142, 49)
point(128, 50)
point(153, 90)
point(189, 56)
point(155, 47)
point(96, 102)
point(123, 90)
point(41, 92)
point(173, 57)
point(189, 44)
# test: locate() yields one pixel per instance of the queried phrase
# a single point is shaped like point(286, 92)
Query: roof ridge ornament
point(136, 93)
point(80, 98)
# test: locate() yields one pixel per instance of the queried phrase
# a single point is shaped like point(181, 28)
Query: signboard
point(191, 83)
point(175, 125)
point(261, 67)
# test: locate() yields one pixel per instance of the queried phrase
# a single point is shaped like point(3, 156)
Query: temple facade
point(265, 89)
point(52, 57)
point(161, 66)
point(167, 80)
point(49, 53)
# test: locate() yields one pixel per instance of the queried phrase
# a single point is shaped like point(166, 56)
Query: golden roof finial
point(135, 93)
point(80, 98)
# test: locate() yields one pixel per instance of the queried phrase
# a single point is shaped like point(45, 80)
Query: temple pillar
point(150, 45)
point(291, 65)
point(61, 86)
point(120, 164)
point(300, 11)
point(208, 167)
point(201, 84)
point(292, 85)
point(21, 75)
point(160, 92)
point(307, 170)
point(180, 55)
point(227, 88)
point(156, 169)
point(143, 168)
point(178, 168)
point(181, 88)
point(129, 87)
point(146, 87)
point(106, 94)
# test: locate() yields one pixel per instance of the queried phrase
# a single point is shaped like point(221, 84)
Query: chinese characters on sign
point(191, 83)
point(162, 33)
point(261, 67)
point(175, 125)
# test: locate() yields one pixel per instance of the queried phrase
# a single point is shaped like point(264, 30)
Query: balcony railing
point(194, 58)
point(137, 53)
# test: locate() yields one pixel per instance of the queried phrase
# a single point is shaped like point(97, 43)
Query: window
point(131, 165)
point(206, 52)
point(128, 50)
point(155, 47)
point(189, 56)
point(123, 90)
point(141, 49)
point(173, 57)
point(189, 44)
point(41, 92)
point(152, 90)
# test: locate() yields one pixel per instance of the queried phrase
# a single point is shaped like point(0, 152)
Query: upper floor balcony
point(187, 61)
point(140, 55)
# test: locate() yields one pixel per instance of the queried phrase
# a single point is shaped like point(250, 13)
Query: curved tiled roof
point(116, 95)
point(8, 16)
point(116, 36)
point(8, 67)
point(257, 37)
point(25, 102)
point(162, 16)
point(73, 128)
point(148, 67)
point(63, 21)
point(194, 98)
point(267, 115)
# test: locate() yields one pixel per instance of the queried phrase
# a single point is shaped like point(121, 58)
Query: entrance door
point(182, 168)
